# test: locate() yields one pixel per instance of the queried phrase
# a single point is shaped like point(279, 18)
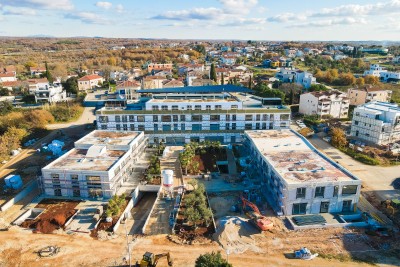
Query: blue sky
point(204, 19)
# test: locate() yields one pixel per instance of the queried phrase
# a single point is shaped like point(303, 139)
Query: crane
point(259, 220)
point(150, 259)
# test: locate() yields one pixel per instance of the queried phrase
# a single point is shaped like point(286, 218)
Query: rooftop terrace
point(108, 138)
point(295, 159)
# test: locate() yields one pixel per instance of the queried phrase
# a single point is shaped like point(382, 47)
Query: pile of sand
point(236, 235)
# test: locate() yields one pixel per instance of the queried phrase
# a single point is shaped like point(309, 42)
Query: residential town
point(198, 152)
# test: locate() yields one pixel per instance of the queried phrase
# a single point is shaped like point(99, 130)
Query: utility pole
point(127, 244)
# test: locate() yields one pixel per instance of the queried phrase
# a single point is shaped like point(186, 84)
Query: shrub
point(211, 260)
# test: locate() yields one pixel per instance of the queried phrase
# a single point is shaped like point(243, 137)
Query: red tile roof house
point(7, 77)
point(37, 71)
point(89, 81)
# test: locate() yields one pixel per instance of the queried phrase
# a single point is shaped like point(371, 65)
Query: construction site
point(158, 215)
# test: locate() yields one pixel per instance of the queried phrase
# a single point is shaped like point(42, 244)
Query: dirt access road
point(18, 247)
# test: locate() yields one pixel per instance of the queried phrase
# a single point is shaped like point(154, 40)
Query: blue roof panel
point(229, 88)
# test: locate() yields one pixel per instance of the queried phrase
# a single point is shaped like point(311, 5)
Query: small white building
point(368, 93)
point(88, 82)
point(7, 77)
point(96, 167)
point(333, 103)
point(45, 92)
point(298, 179)
point(37, 71)
point(377, 123)
point(305, 79)
point(374, 70)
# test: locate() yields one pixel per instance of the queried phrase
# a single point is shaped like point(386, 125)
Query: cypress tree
point(48, 74)
point(222, 79)
point(250, 83)
point(213, 73)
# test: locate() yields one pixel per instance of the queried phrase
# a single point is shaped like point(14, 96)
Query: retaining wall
point(32, 185)
point(151, 211)
point(125, 214)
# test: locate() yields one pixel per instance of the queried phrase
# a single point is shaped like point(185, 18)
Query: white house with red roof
point(89, 81)
point(7, 77)
point(37, 71)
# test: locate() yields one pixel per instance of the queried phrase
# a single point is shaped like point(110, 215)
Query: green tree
point(200, 48)
point(48, 74)
point(211, 260)
point(213, 73)
point(4, 91)
point(317, 87)
point(222, 79)
point(250, 83)
point(264, 91)
point(71, 85)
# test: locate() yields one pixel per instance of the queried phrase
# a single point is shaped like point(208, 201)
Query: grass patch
point(360, 157)
point(368, 259)
point(65, 112)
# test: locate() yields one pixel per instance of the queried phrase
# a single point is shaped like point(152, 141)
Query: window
point(155, 118)
point(301, 192)
point(218, 107)
point(197, 107)
point(234, 107)
point(131, 118)
point(227, 126)
point(182, 126)
point(356, 122)
point(189, 107)
point(154, 107)
point(140, 127)
point(319, 191)
point(124, 118)
point(264, 126)
point(166, 118)
point(125, 127)
point(176, 127)
point(248, 126)
point(265, 117)
point(257, 126)
point(140, 118)
point(196, 118)
point(164, 107)
point(299, 208)
point(324, 208)
point(228, 117)
point(234, 117)
point(103, 119)
point(196, 127)
point(249, 117)
point(214, 117)
point(183, 118)
point(346, 205)
point(166, 128)
point(104, 126)
point(155, 127)
point(175, 118)
point(258, 117)
point(349, 190)
point(214, 127)
point(117, 118)
point(132, 127)
point(208, 107)
point(335, 191)
point(174, 107)
point(118, 127)
point(233, 126)
point(284, 117)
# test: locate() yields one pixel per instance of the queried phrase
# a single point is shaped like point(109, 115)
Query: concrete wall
point(21, 195)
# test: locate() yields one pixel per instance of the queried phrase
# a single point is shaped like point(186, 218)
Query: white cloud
point(243, 21)
point(19, 11)
point(40, 4)
point(119, 8)
point(88, 17)
point(238, 6)
point(193, 14)
point(286, 17)
point(331, 22)
point(105, 5)
point(369, 9)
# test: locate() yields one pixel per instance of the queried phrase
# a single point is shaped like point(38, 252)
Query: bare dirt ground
point(18, 248)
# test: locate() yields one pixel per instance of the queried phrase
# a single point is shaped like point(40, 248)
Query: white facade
point(333, 103)
point(7, 77)
point(374, 70)
point(89, 82)
point(377, 123)
point(305, 79)
point(181, 118)
point(390, 76)
point(46, 92)
point(298, 179)
point(97, 167)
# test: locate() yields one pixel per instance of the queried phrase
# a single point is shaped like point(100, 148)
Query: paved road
point(376, 178)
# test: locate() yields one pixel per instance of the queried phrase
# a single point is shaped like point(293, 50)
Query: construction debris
point(234, 234)
point(48, 251)
point(103, 235)
point(308, 220)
